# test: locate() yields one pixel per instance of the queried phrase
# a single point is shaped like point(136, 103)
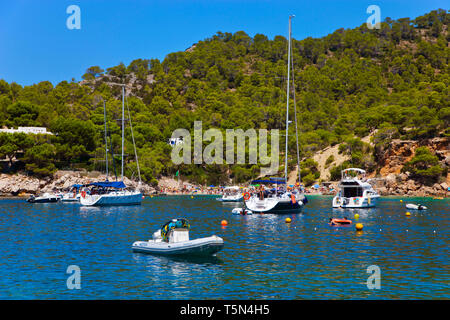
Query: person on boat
point(261, 193)
point(341, 222)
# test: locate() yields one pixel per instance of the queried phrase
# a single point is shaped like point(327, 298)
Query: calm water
point(263, 257)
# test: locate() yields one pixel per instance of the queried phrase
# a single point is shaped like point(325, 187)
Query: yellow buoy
point(401, 200)
point(224, 222)
point(192, 197)
point(359, 226)
point(408, 213)
point(288, 220)
point(356, 216)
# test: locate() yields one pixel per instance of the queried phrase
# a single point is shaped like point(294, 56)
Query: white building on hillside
point(27, 130)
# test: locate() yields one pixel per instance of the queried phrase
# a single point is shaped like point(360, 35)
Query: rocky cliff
point(394, 182)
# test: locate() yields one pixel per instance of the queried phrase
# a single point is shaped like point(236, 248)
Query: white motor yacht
point(355, 191)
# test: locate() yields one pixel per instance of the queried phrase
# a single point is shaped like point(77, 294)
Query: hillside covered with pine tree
point(393, 81)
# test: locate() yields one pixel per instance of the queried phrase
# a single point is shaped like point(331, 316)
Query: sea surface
point(263, 258)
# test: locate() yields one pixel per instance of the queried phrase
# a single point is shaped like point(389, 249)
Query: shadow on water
point(162, 259)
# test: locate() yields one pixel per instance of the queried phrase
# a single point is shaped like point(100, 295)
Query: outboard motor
point(305, 200)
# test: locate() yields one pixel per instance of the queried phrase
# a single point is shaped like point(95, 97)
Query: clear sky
point(36, 45)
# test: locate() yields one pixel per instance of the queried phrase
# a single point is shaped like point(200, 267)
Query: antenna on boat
point(287, 104)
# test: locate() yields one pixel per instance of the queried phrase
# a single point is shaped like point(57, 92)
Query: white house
point(27, 130)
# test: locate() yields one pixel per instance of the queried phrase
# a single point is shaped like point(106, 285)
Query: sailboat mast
point(123, 122)
point(295, 119)
point(287, 104)
point(106, 139)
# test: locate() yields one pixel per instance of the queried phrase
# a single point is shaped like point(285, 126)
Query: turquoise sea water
point(263, 257)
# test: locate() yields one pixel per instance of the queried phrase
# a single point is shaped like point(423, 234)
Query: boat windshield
point(352, 191)
point(173, 224)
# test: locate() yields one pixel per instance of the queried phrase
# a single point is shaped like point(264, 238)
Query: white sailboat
point(283, 200)
point(114, 193)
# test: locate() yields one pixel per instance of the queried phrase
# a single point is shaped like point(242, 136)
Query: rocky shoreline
point(402, 185)
point(23, 185)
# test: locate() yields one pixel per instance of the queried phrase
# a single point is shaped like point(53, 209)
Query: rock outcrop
point(20, 184)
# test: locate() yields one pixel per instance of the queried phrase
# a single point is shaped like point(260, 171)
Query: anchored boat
point(413, 206)
point(114, 193)
point(173, 239)
point(231, 194)
point(282, 200)
point(45, 198)
point(73, 194)
point(109, 194)
point(276, 200)
point(355, 190)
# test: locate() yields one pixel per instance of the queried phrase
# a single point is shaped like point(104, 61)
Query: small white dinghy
point(241, 211)
point(416, 206)
point(173, 239)
point(45, 198)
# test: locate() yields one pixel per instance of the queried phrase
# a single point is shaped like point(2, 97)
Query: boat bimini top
point(350, 173)
point(107, 184)
point(179, 223)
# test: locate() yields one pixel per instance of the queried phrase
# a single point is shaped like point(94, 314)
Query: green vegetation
point(329, 161)
point(309, 171)
point(424, 166)
point(348, 83)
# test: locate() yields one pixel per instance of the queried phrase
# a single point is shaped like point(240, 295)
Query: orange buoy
point(224, 222)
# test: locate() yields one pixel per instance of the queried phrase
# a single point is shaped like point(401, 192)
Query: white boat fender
point(241, 211)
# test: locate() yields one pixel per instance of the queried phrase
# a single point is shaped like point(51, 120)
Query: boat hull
point(274, 206)
point(43, 200)
point(415, 207)
point(199, 247)
point(354, 203)
point(240, 199)
point(115, 199)
point(70, 200)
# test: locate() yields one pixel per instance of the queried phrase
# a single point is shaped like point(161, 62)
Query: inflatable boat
point(416, 206)
point(339, 222)
point(241, 211)
point(173, 239)
point(45, 198)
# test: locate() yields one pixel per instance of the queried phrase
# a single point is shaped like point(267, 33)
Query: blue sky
point(36, 45)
